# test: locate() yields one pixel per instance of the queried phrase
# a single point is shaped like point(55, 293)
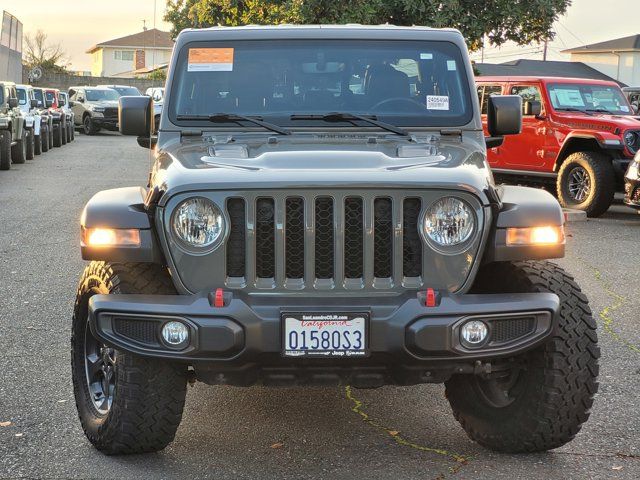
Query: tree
point(38, 52)
point(499, 21)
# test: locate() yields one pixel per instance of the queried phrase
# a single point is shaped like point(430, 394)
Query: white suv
point(28, 104)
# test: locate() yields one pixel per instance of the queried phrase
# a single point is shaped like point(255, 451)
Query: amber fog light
point(175, 334)
point(547, 235)
point(473, 333)
point(110, 237)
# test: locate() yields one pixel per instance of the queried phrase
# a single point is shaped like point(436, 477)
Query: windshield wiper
point(600, 110)
point(235, 118)
point(571, 109)
point(352, 117)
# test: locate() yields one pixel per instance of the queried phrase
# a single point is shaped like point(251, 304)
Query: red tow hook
point(429, 298)
point(220, 298)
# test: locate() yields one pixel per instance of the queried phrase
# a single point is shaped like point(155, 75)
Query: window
point(590, 98)
point(22, 97)
point(484, 92)
point(529, 93)
point(410, 83)
point(125, 55)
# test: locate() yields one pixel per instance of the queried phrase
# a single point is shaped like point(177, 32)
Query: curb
point(571, 215)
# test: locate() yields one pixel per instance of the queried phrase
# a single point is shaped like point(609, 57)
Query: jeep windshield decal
point(400, 83)
point(588, 98)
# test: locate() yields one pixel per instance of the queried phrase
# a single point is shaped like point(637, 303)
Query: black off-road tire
point(149, 394)
point(5, 149)
point(73, 132)
point(51, 131)
point(44, 135)
point(88, 127)
point(19, 150)
point(57, 135)
point(68, 132)
point(37, 144)
point(64, 131)
point(602, 177)
point(30, 145)
point(555, 390)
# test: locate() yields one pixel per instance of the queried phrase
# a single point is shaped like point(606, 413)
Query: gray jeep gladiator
point(321, 212)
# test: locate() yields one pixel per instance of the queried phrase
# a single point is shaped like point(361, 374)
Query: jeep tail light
point(547, 235)
point(110, 237)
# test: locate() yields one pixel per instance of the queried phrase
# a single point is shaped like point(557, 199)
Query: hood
point(105, 103)
point(304, 162)
point(605, 121)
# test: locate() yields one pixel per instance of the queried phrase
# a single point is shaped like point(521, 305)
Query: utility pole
point(544, 52)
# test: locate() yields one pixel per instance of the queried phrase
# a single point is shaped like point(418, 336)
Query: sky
point(79, 24)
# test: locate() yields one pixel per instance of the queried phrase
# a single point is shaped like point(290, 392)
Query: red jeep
point(579, 134)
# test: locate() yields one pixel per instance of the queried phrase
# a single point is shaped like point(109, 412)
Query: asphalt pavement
point(235, 433)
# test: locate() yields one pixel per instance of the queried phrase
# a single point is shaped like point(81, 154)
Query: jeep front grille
point(324, 241)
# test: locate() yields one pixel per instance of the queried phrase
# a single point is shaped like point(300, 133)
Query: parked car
point(123, 90)
point(13, 134)
point(29, 107)
point(63, 102)
point(46, 118)
point(94, 108)
point(578, 134)
point(632, 183)
point(297, 233)
point(58, 116)
point(633, 95)
point(157, 93)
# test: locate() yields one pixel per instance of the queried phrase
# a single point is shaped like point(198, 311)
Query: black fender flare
point(121, 208)
point(523, 207)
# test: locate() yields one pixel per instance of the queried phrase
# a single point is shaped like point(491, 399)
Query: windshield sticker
point(451, 65)
point(624, 108)
point(210, 60)
point(437, 102)
point(569, 98)
point(426, 56)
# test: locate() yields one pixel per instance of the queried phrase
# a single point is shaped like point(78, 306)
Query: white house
point(121, 57)
point(619, 58)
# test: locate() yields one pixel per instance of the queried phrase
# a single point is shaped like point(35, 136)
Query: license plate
point(325, 334)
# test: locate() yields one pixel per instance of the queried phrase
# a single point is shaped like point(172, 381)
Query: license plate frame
point(325, 317)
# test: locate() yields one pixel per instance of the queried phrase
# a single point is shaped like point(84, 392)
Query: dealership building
point(10, 48)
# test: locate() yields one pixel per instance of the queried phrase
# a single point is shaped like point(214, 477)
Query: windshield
point(22, 96)
point(50, 96)
point(401, 82)
point(62, 98)
point(592, 98)
point(101, 95)
point(38, 95)
point(126, 91)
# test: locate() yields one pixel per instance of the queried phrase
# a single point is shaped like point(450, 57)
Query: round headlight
point(449, 222)
point(198, 222)
point(630, 138)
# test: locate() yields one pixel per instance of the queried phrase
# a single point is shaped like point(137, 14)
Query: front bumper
point(107, 123)
point(632, 186)
point(241, 343)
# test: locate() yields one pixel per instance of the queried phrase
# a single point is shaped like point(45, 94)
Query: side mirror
point(13, 103)
point(48, 103)
point(532, 108)
point(135, 116)
point(504, 116)
point(81, 100)
point(71, 103)
point(34, 103)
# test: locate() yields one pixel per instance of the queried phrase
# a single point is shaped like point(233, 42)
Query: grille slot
point(265, 238)
point(411, 242)
point(141, 331)
point(324, 238)
point(294, 238)
point(383, 238)
point(353, 238)
point(236, 250)
point(511, 329)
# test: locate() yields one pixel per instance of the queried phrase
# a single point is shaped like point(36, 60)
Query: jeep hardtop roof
point(545, 80)
point(348, 31)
